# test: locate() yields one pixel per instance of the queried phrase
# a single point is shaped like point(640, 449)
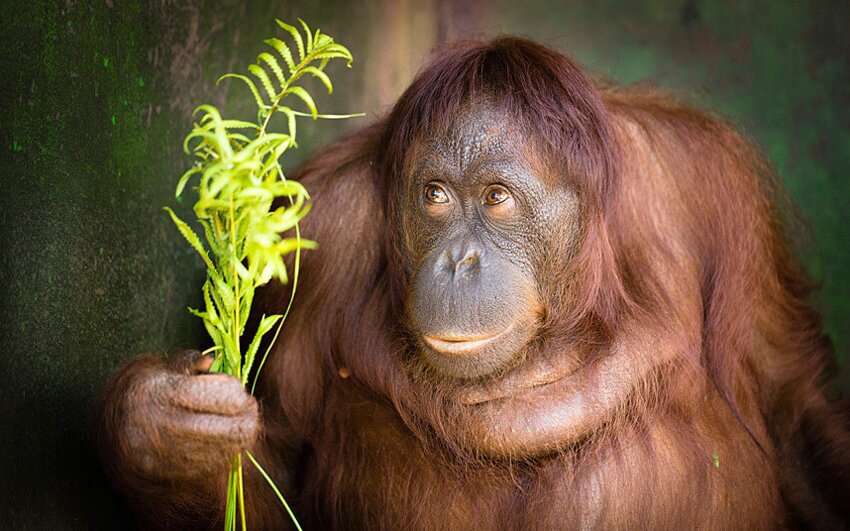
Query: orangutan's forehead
point(477, 136)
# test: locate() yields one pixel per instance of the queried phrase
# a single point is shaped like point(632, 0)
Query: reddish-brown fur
point(684, 266)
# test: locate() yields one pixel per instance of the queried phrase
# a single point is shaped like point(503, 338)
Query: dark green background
point(97, 97)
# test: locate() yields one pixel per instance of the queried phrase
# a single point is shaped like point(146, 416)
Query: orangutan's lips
point(460, 346)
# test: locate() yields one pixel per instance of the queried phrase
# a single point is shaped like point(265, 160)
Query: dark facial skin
point(481, 215)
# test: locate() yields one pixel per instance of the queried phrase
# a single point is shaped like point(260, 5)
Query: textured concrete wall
point(97, 97)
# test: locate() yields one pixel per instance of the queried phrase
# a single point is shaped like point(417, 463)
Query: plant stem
point(296, 269)
point(235, 257)
point(238, 484)
point(230, 510)
point(241, 491)
point(276, 491)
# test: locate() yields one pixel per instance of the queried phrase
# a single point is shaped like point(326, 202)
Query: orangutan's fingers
point(211, 393)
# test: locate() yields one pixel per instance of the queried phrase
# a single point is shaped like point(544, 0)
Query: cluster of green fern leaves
point(240, 185)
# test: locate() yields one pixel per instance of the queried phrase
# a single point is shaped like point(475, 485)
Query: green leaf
point(337, 48)
point(284, 52)
point(273, 66)
point(197, 313)
point(210, 315)
point(245, 306)
point(306, 98)
point(216, 364)
point(290, 117)
point(266, 324)
point(240, 124)
point(322, 77)
point(210, 113)
point(190, 236)
point(212, 239)
point(333, 55)
point(334, 51)
point(224, 293)
point(237, 140)
point(295, 35)
point(260, 144)
point(243, 272)
point(231, 353)
point(207, 139)
point(308, 34)
point(185, 178)
point(211, 322)
point(264, 80)
point(251, 85)
point(290, 244)
point(272, 167)
point(320, 39)
point(213, 123)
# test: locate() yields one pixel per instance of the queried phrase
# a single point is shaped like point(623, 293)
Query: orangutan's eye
point(495, 195)
point(434, 193)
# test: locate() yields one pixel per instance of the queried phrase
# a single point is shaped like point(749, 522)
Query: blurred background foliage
point(98, 96)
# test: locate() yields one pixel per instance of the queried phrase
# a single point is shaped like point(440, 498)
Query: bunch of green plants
point(245, 204)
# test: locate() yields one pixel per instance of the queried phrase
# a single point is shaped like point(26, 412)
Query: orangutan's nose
point(461, 258)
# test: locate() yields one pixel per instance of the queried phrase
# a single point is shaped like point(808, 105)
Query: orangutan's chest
point(382, 476)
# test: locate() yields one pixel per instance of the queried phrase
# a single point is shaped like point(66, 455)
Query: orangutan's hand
point(174, 421)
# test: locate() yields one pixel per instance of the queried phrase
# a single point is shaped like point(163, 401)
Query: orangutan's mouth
point(455, 345)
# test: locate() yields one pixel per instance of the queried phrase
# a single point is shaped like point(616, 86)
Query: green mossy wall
point(97, 97)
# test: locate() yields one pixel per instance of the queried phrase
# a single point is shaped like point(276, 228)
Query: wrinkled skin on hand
point(175, 421)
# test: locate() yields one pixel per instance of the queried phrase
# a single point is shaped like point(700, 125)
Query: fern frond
point(185, 178)
point(273, 65)
point(237, 140)
point(308, 34)
point(296, 36)
point(306, 98)
point(239, 177)
point(323, 77)
point(338, 48)
point(334, 55)
point(260, 74)
point(239, 124)
point(320, 39)
point(284, 52)
point(206, 139)
point(251, 85)
point(190, 236)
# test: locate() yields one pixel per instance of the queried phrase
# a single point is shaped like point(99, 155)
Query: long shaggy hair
point(684, 266)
